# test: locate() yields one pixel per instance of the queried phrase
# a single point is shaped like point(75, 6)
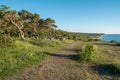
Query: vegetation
point(102, 57)
point(109, 62)
point(118, 44)
point(88, 53)
point(113, 41)
point(95, 35)
point(25, 24)
point(25, 38)
point(21, 54)
point(114, 68)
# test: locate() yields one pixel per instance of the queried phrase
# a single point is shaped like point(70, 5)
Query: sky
point(87, 16)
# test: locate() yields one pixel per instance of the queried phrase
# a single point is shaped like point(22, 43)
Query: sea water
point(109, 37)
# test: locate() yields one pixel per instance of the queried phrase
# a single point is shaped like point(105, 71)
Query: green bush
point(88, 52)
point(14, 33)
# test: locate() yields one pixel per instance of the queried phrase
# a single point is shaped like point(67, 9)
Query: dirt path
point(59, 66)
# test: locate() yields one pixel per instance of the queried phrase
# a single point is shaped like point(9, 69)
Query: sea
point(109, 37)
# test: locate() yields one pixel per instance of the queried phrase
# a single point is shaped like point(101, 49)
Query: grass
point(49, 45)
point(114, 68)
point(105, 60)
point(19, 55)
point(110, 58)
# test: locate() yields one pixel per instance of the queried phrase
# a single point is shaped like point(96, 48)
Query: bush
point(93, 39)
point(90, 40)
point(88, 52)
point(113, 41)
point(118, 44)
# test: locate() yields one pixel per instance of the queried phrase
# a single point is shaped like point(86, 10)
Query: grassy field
point(103, 60)
point(106, 61)
point(17, 55)
point(110, 58)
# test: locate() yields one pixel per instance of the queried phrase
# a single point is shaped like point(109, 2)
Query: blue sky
point(90, 16)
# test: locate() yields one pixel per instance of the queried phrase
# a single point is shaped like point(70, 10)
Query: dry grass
point(108, 56)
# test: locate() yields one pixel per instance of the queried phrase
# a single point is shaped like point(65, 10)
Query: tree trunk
point(18, 27)
point(21, 34)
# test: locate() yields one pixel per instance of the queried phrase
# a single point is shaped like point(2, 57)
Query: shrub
point(113, 41)
point(93, 39)
point(90, 39)
point(88, 52)
point(118, 44)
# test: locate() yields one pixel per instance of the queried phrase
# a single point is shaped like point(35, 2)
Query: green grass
point(19, 55)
